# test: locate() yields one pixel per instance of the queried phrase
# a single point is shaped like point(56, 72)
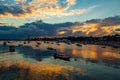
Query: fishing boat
point(62, 56)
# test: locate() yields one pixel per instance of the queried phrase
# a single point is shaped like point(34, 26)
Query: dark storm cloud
point(39, 28)
point(14, 10)
point(33, 29)
point(110, 21)
point(94, 21)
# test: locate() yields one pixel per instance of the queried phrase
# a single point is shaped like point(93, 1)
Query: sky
point(18, 12)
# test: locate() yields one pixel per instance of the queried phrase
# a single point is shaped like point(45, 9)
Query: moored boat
point(61, 56)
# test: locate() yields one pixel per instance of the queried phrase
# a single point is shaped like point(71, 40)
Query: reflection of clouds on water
point(11, 56)
point(89, 53)
point(29, 62)
point(37, 54)
point(21, 70)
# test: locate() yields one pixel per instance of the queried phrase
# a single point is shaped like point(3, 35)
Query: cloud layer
point(38, 8)
point(95, 27)
point(99, 27)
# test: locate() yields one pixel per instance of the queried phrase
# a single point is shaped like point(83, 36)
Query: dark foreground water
point(31, 62)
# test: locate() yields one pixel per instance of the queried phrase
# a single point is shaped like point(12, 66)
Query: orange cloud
point(91, 29)
point(20, 1)
point(40, 8)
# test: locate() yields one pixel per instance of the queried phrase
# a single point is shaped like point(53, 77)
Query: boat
point(79, 45)
point(28, 41)
point(61, 56)
point(24, 42)
point(50, 48)
point(11, 48)
point(4, 43)
point(57, 44)
point(38, 43)
point(68, 42)
point(20, 45)
point(103, 47)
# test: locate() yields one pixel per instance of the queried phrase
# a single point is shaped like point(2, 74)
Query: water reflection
point(89, 53)
point(87, 62)
point(86, 52)
point(95, 54)
point(21, 70)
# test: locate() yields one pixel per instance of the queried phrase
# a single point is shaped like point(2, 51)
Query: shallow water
point(31, 62)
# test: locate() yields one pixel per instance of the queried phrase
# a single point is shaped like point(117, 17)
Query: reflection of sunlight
point(94, 55)
point(39, 71)
point(108, 54)
point(74, 51)
point(89, 52)
point(62, 48)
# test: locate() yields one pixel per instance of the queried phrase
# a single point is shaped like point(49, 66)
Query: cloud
point(39, 8)
point(20, 1)
point(110, 21)
point(118, 29)
point(5, 24)
point(94, 27)
point(39, 28)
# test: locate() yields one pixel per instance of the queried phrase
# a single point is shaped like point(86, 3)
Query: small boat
point(38, 43)
point(61, 56)
point(79, 45)
point(47, 42)
point(51, 42)
point(50, 48)
point(20, 45)
point(103, 47)
point(4, 43)
point(91, 60)
point(8, 42)
point(68, 42)
point(57, 44)
point(28, 41)
point(24, 42)
point(11, 48)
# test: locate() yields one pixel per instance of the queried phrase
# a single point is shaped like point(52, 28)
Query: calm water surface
point(31, 62)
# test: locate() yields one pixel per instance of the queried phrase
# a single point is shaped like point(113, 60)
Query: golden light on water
point(39, 70)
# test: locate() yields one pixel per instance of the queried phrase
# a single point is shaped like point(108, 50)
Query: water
point(31, 62)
